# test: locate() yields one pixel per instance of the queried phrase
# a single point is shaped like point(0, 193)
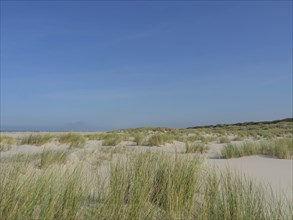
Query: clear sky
point(98, 65)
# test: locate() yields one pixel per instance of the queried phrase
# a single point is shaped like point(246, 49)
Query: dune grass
point(159, 139)
point(112, 139)
point(139, 139)
point(140, 186)
point(196, 148)
point(75, 140)
point(49, 157)
point(6, 142)
point(224, 140)
point(36, 139)
point(96, 136)
point(279, 148)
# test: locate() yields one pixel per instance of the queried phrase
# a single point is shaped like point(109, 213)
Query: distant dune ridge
point(244, 123)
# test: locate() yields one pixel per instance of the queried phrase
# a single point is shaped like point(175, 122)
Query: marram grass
point(36, 139)
point(75, 140)
point(279, 148)
point(137, 186)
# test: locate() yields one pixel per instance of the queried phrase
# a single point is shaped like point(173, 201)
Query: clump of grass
point(36, 139)
point(159, 139)
point(248, 148)
point(230, 151)
point(230, 197)
point(224, 140)
point(112, 140)
point(139, 139)
point(279, 148)
point(50, 194)
point(75, 140)
point(196, 148)
point(52, 157)
point(147, 183)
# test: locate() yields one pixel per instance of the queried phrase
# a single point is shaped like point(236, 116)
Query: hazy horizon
point(97, 65)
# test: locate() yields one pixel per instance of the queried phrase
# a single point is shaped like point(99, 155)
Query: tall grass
point(49, 194)
point(75, 140)
point(279, 148)
point(232, 197)
point(140, 186)
point(224, 140)
point(112, 139)
point(52, 157)
point(196, 148)
point(139, 139)
point(159, 139)
point(36, 139)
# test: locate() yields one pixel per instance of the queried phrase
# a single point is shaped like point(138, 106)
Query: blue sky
point(97, 65)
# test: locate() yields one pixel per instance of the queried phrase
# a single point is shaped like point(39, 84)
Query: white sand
point(277, 173)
